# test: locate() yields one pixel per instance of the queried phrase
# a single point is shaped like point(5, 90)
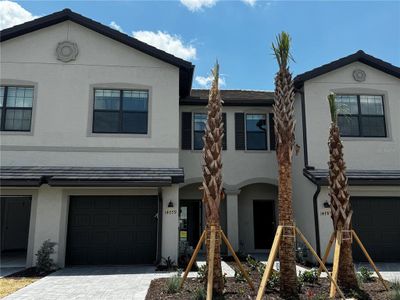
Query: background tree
point(284, 130)
point(341, 211)
point(212, 176)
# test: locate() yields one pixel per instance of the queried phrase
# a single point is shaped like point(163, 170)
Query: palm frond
point(215, 72)
point(333, 109)
point(281, 49)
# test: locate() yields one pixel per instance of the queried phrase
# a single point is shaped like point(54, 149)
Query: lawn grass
point(9, 285)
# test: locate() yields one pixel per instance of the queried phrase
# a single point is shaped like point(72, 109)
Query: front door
point(264, 223)
point(190, 222)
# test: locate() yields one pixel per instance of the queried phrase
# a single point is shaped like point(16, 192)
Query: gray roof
point(89, 176)
point(357, 177)
point(231, 98)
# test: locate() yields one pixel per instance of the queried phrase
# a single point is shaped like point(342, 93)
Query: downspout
point(316, 223)
point(159, 226)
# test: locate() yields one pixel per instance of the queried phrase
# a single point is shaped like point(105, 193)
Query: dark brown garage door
point(105, 230)
point(377, 223)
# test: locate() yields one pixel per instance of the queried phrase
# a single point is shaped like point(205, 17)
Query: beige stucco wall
point(62, 110)
point(358, 152)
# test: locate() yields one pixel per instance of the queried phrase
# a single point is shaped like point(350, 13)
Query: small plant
point(273, 281)
point(44, 262)
point(395, 292)
point(238, 276)
point(255, 265)
point(202, 273)
point(199, 294)
point(173, 283)
point(310, 276)
point(166, 264)
point(365, 274)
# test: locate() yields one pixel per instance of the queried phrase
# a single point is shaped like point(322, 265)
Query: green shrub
point(365, 274)
point(239, 276)
point(273, 281)
point(395, 292)
point(44, 263)
point(199, 294)
point(310, 276)
point(202, 273)
point(173, 284)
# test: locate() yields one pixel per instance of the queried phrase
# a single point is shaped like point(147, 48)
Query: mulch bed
point(29, 273)
point(241, 290)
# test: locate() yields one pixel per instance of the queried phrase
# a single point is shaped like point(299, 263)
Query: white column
point(170, 222)
point(232, 217)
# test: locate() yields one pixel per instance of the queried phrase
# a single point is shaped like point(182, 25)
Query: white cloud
point(250, 2)
point(205, 82)
point(115, 26)
point(169, 43)
point(196, 5)
point(12, 14)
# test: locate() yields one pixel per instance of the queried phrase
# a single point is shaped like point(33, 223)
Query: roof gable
point(186, 68)
point(359, 56)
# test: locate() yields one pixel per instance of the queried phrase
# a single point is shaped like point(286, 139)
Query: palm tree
point(341, 211)
point(212, 176)
point(284, 130)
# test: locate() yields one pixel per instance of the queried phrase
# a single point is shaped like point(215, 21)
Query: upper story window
point(120, 111)
point(199, 120)
point(16, 108)
point(256, 132)
point(361, 116)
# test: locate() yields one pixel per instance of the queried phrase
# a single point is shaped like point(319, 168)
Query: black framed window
point(256, 132)
point(199, 120)
point(361, 115)
point(120, 111)
point(16, 108)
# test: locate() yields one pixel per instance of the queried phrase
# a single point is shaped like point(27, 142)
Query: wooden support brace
point(327, 251)
point(210, 278)
point(319, 261)
point(270, 263)
point(336, 258)
point(369, 259)
point(242, 270)
point(193, 258)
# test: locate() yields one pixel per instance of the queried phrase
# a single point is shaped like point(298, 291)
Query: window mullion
point(120, 111)
point(359, 116)
point(3, 111)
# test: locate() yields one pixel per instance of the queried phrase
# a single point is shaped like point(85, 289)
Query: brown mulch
point(241, 290)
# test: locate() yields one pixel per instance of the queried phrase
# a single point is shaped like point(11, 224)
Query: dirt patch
point(235, 289)
point(16, 281)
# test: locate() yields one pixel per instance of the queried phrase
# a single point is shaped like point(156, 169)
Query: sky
point(239, 33)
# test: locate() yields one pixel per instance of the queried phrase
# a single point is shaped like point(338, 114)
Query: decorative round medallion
point(359, 75)
point(67, 51)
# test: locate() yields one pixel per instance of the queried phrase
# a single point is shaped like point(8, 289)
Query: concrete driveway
point(119, 282)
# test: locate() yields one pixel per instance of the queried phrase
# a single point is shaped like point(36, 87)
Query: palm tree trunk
point(218, 280)
point(288, 284)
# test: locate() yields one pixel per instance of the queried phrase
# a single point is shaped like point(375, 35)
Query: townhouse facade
point(101, 149)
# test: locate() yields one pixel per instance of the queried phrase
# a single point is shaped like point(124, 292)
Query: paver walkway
point(97, 283)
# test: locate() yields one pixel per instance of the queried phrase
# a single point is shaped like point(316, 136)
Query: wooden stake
point(270, 263)
point(210, 277)
point(327, 251)
point(336, 258)
point(319, 261)
point(228, 244)
point(193, 258)
point(369, 259)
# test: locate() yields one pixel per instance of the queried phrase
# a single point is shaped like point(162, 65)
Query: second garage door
point(377, 223)
point(112, 230)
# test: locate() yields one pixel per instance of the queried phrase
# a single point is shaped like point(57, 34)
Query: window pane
point(18, 119)
point(107, 99)
point(348, 126)
point(1, 95)
point(198, 140)
point(19, 96)
point(200, 122)
point(256, 132)
point(347, 104)
point(256, 141)
point(134, 122)
point(373, 126)
point(106, 122)
point(371, 105)
point(134, 100)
